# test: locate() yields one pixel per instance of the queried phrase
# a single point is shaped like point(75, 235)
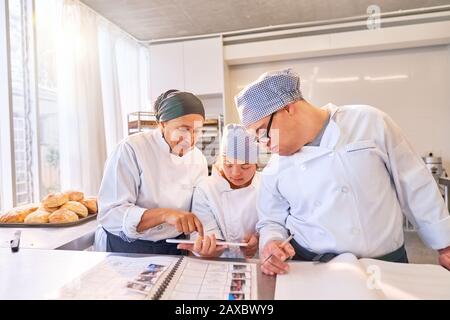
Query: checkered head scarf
point(238, 144)
point(269, 93)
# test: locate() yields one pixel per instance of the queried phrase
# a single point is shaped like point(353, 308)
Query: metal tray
point(48, 225)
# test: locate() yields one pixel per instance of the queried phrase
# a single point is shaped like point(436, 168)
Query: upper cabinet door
point(203, 66)
point(166, 68)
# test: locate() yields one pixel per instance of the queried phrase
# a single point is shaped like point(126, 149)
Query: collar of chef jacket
point(161, 141)
point(224, 185)
point(329, 140)
point(327, 145)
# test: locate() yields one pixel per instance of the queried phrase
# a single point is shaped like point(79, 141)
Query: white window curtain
point(103, 74)
point(125, 80)
point(113, 112)
point(81, 121)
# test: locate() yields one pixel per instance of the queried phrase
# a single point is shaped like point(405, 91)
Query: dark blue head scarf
point(174, 104)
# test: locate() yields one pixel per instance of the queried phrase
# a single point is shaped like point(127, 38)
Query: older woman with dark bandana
point(146, 193)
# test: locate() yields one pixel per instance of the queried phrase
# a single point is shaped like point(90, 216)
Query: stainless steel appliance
point(434, 165)
point(445, 182)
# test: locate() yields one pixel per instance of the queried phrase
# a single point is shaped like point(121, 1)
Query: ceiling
point(162, 19)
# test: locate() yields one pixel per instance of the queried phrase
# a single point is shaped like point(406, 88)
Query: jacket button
point(159, 227)
point(344, 189)
point(317, 203)
point(303, 167)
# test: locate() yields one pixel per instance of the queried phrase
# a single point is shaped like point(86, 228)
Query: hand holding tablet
point(219, 243)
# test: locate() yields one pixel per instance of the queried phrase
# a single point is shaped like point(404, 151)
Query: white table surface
point(38, 274)
point(47, 238)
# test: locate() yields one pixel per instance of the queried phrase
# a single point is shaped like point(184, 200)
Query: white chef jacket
point(142, 174)
point(349, 193)
point(229, 214)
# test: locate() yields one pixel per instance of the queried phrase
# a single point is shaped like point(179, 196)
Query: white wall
point(213, 105)
point(411, 85)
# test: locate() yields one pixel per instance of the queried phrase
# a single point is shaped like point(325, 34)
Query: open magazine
point(198, 279)
point(163, 277)
point(347, 277)
point(118, 277)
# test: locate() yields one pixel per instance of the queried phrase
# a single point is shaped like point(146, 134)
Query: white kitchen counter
point(39, 274)
point(78, 237)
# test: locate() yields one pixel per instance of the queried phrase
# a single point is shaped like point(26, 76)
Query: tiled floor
point(417, 251)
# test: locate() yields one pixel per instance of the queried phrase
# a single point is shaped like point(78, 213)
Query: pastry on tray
point(53, 200)
point(38, 216)
point(18, 215)
point(75, 195)
point(63, 216)
point(48, 208)
point(91, 204)
point(59, 207)
point(76, 207)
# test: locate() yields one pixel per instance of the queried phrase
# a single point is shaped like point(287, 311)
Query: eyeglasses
point(264, 137)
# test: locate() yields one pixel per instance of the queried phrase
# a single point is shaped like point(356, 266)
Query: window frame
point(7, 160)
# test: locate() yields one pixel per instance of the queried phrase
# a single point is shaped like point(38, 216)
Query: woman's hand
point(250, 250)
point(205, 247)
point(183, 221)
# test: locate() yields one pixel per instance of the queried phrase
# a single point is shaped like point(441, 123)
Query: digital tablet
point(223, 243)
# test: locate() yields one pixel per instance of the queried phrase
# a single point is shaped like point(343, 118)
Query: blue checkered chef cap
point(268, 94)
point(238, 144)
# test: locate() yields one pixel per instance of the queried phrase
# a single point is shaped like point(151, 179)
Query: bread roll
point(76, 207)
point(12, 216)
point(51, 210)
point(18, 215)
point(75, 195)
point(63, 216)
point(39, 216)
point(91, 204)
point(53, 200)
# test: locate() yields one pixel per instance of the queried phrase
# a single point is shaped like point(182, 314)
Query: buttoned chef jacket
point(229, 214)
point(142, 174)
point(349, 193)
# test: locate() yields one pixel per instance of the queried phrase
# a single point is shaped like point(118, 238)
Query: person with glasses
point(340, 179)
point(225, 202)
point(146, 193)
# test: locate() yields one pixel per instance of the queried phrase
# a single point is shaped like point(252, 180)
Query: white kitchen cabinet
point(166, 68)
point(203, 66)
point(195, 66)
